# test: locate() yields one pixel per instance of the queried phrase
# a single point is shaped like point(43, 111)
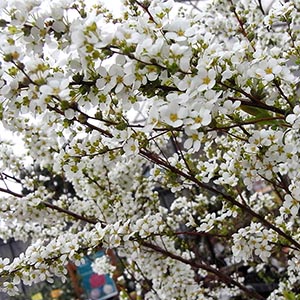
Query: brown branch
point(241, 23)
point(69, 213)
point(145, 8)
point(255, 102)
point(91, 126)
point(155, 159)
point(3, 180)
point(200, 234)
point(282, 93)
point(236, 89)
point(220, 275)
point(236, 136)
point(11, 177)
point(261, 7)
point(179, 151)
point(53, 207)
point(10, 192)
point(246, 123)
point(21, 68)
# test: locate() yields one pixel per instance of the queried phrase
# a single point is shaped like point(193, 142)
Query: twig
point(261, 7)
point(241, 23)
point(223, 277)
point(282, 94)
point(12, 177)
point(54, 207)
point(156, 159)
point(200, 234)
point(145, 8)
point(246, 123)
point(256, 103)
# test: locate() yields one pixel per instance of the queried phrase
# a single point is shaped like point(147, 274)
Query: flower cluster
point(253, 241)
point(102, 265)
point(170, 137)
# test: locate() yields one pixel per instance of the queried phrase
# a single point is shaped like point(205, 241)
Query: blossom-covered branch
point(170, 137)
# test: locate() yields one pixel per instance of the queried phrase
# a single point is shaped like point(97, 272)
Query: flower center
point(206, 80)
point(173, 117)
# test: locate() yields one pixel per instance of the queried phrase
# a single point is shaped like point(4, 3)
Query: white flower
point(131, 147)
point(102, 266)
point(290, 206)
point(55, 87)
point(294, 119)
point(193, 142)
point(177, 30)
point(173, 114)
point(199, 117)
point(268, 69)
point(204, 80)
point(4, 263)
point(69, 113)
point(113, 78)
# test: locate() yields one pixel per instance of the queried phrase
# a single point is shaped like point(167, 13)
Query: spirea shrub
point(179, 133)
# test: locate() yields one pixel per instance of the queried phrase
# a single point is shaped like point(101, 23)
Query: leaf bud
point(82, 118)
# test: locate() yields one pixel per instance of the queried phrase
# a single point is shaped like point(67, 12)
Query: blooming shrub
point(218, 92)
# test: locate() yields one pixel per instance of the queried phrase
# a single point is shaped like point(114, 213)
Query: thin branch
point(23, 71)
point(236, 89)
point(92, 155)
point(150, 285)
point(236, 136)
point(54, 207)
point(261, 7)
point(10, 192)
point(179, 150)
point(223, 277)
point(101, 189)
point(91, 126)
point(156, 159)
point(282, 94)
point(160, 150)
point(11, 177)
point(3, 180)
point(195, 6)
point(145, 8)
point(200, 234)
point(255, 103)
point(70, 213)
point(241, 23)
point(241, 127)
point(261, 120)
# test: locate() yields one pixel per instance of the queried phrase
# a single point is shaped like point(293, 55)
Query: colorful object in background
point(56, 293)
point(96, 286)
point(37, 296)
point(97, 280)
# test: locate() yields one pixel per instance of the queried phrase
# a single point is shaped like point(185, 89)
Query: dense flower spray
point(199, 197)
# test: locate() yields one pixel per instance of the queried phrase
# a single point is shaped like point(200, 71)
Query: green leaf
point(288, 295)
point(84, 89)
point(255, 111)
point(64, 105)
point(3, 23)
point(297, 61)
point(77, 77)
